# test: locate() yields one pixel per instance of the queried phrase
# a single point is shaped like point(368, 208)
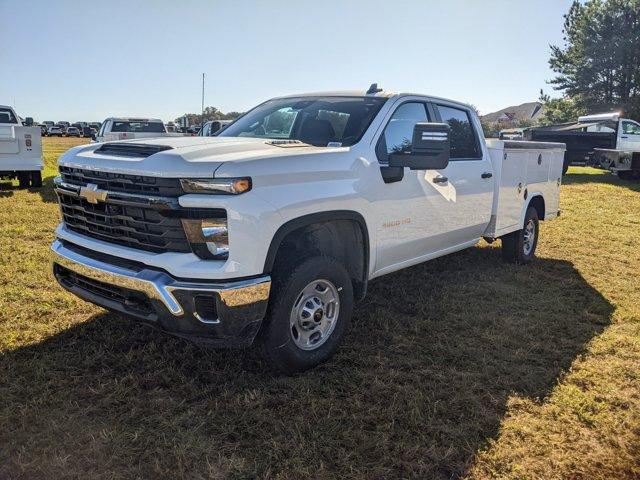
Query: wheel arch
point(335, 223)
point(536, 201)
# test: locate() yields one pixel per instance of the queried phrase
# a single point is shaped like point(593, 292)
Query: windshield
point(7, 116)
point(319, 121)
point(138, 126)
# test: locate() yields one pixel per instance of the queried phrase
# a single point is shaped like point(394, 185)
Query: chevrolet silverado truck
point(20, 149)
point(268, 232)
point(604, 140)
point(132, 128)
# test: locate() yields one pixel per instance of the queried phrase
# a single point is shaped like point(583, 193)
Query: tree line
point(598, 65)
point(209, 113)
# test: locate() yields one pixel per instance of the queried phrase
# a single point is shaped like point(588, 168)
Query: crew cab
point(132, 128)
point(20, 149)
point(268, 232)
point(604, 140)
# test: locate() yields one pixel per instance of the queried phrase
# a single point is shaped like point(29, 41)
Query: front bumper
point(217, 313)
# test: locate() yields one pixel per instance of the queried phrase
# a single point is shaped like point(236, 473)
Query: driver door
point(412, 214)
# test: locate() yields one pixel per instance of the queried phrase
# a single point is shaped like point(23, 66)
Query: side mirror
point(429, 148)
point(28, 121)
point(93, 136)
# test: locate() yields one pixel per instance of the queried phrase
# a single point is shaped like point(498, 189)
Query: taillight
point(28, 142)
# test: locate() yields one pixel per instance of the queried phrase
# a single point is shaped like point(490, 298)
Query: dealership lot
point(462, 366)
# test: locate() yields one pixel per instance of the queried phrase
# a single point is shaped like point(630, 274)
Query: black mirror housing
point(429, 148)
point(28, 121)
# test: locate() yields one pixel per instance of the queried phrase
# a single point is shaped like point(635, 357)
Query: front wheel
point(520, 246)
point(309, 310)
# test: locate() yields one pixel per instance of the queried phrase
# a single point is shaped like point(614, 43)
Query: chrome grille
point(132, 226)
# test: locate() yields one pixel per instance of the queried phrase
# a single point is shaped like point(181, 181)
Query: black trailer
point(581, 138)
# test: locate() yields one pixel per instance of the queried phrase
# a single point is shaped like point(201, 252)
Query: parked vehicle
point(55, 131)
point(601, 140)
point(43, 130)
point(73, 132)
point(95, 125)
point(63, 124)
point(130, 128)
point(80, 126)
point(62, 128)
point(511, 134)
point(49, 123)
point(212, 127)
point(88, 132)
point(20, 149)
point(273, 228)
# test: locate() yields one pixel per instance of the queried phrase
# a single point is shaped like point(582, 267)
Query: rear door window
point(7, 116)
point(462, 134)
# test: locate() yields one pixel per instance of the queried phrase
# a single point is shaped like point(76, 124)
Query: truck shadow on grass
point(47, 192)
point(6, 189)
point(599, 176)
point(419, 385)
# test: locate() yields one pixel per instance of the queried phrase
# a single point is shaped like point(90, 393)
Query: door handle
point(440, 179)
point(487, 175)
point(624, 136)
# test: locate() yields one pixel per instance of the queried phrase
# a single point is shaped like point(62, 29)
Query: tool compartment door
point(8, 141)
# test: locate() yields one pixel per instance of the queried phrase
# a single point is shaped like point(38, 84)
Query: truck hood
point(185, 156)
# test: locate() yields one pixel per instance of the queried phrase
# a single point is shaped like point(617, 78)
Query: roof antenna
point(373, 89)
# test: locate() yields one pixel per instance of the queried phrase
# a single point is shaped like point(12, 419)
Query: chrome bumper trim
point(160, 286)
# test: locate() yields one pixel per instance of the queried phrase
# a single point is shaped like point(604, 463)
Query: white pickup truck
point(114, 128)
point(272, 229)
point(20, 150)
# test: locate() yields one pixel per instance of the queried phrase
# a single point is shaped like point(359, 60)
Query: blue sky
point(84, 60)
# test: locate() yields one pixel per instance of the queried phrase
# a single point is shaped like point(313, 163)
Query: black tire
point(24, 179)
point(277, 335)
point(514, 247)
point(565, 164)
point(36, 179)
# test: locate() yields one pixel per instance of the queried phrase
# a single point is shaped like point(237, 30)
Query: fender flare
point(318, 217)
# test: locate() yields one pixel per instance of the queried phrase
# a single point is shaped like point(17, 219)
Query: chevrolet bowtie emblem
point(92, 194)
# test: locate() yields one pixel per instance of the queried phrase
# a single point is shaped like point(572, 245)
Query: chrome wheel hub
point(314, 314)
point(529, 237)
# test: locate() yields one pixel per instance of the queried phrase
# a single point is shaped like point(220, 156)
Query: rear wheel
point(36, 179)
point(565, 164)
point(24, 179)
point(309, 310)
point(520, 246)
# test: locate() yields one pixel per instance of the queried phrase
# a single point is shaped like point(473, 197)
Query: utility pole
point(202, 97)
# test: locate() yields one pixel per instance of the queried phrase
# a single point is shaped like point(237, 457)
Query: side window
point(462, 136)
point(103, 128)
point(630, 128)
point(398, 133)
point(206, 130)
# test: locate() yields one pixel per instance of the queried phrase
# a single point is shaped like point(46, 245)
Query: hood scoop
point(139, 150)
point(287, 143)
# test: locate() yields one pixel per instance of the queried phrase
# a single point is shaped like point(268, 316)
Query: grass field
point(461, 367)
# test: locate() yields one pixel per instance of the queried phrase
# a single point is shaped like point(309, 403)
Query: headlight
point(225, 186)
point(209, 238)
